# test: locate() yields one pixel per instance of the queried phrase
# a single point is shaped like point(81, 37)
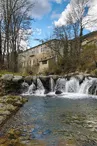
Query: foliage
point(14, 20)
point(3, 72)
point(94, 72)
point(89, 57)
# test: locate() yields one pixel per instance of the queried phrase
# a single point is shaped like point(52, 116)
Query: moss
point(94, 72)
point(13, 139)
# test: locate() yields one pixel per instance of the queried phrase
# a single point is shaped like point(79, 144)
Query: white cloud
point(58, 1)
point(55, 15)
point(41, 7)
point(24, 37)
point(91, 18)
point(63, 18)
point(50, 27)
point(89, 22)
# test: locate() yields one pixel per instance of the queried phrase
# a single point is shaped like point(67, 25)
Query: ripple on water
point(56, 121)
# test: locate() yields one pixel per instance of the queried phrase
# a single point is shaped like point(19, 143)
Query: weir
point(87, 85)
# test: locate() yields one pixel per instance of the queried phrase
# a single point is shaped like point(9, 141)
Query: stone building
point(37, 59)
point(90, 38)
point(41, 58)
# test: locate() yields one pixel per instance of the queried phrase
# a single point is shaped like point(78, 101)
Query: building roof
point(38, 45)
point(89, 34)
point(83, 37)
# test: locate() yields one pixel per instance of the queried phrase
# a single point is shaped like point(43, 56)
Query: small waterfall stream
point(88, 85)
point(72, 85)
point(52, 84)
point(40, 88)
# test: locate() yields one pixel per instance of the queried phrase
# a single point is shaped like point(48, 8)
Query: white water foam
point(70, 88)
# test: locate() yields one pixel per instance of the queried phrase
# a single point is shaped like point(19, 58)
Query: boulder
point(80, 77)
point(54, 77)
point(28, 79)
point(7, 77)
point(24, 87)
point(2, 118)
point(58, 92)
point(17, 79)
point(45, 80)
point(34, 79)
point(4, 112)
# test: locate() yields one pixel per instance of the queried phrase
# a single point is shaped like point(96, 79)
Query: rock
point(35, 80)
point(46, 91)
point(7, 77)
point(29, 79)
point(24, 87)
point(2, 118)
point(58, 92)
point(1, 105)
point(93, 88)
point(80, 77)
point(45, 81)
point(54, 77)
point(17, 79)
point(44, 78)
point(6, 112)
point(10, 107)
point(2, 141)
point(18, 103)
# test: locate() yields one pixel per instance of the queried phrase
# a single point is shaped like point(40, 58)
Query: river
point(53, 119)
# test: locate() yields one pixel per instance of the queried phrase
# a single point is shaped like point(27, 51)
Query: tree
point(65, 47)
point(15, 17)
point(69, 35)
point(89, 57)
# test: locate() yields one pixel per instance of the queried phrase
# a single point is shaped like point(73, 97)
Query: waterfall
point(88, 85)
point(32, 88)
point(60, 84)
point(72, 85)
point(88, 82)
point(40, 88)
point(52, 84)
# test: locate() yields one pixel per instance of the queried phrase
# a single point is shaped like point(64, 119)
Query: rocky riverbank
point(9, 105)
point(14, 138)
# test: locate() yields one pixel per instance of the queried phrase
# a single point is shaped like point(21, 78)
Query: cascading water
point(40, 88)
point(87, 85)
point(52, 84)
point(60, 84)
point(32, 89)
point(72, 85)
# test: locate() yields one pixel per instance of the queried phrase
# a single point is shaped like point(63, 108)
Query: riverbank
point(9, 105)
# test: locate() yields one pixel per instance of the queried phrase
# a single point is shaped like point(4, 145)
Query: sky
point(50, 13)
point(45, 12)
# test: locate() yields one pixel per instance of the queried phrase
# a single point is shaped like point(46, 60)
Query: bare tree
point(15, 17)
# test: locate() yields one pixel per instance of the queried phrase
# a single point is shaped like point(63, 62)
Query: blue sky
point(43, 24)
point(47, 13)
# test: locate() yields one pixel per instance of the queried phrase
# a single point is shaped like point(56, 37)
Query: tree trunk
point(0, 47)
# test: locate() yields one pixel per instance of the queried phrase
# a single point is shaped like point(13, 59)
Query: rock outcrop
point(8, 105)
point(10, 84)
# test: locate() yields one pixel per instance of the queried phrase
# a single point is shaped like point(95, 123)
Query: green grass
point(3, 72)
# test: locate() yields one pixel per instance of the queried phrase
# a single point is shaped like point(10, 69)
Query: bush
point(94, 72)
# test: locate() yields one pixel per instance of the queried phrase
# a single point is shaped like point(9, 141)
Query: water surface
point(55, 119)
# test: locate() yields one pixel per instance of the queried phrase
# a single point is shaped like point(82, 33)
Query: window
point(44, 62)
